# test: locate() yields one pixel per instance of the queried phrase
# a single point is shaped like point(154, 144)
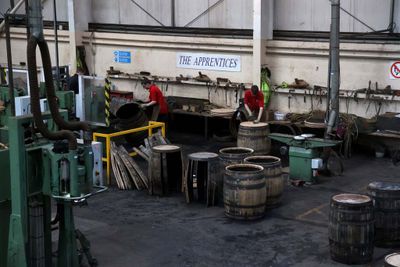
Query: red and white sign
point(395, 70)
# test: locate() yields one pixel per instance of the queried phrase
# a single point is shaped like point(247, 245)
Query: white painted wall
point(359, 64)
point(18, 44)
point(314, 15)
point(307, 15)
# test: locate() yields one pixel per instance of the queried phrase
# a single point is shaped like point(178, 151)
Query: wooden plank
point(147, 144)
point(136, 167)
point(145, 150)
point(140, 153)
point(131, 171)
point(124, 175)
point(116, 171)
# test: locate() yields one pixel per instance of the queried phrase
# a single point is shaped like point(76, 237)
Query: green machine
point(304, 154)
point(42, 164)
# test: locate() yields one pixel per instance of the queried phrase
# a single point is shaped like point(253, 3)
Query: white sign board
point(395, 70)
point(201, 61)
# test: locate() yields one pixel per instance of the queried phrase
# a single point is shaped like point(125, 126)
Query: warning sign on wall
point(395, 70)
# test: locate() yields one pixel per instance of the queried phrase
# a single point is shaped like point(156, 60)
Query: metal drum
point(165, 170)
point(386, 198)
point(351, 228)
point(255, 136)
point(244, 192)
point(273, 177)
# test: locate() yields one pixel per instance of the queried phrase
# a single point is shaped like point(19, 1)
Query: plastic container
point(279, 116)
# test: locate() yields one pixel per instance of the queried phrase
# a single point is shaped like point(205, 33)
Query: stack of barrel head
point(359, 222)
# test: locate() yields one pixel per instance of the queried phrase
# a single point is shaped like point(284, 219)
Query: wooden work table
point(205, 115)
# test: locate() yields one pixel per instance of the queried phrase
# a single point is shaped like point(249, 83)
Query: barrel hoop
point(358, 245)
point(232, 204)
point(385, 198)
point(250, 136)
point(239, 186)
point(397, 210)
point(363, 211)
point(341, 222)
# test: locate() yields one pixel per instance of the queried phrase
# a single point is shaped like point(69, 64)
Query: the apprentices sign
point(202, 61)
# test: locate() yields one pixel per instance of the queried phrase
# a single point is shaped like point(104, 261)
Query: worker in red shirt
point(156, 100)
point(254, 102)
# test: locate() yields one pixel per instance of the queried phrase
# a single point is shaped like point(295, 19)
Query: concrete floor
point(131, 228)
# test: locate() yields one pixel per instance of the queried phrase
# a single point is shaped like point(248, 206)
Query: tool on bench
point(290, 96)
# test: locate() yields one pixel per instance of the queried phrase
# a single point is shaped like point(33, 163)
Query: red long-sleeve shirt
point(157, 96)
point(254, 102)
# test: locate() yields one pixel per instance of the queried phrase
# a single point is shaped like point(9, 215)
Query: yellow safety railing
point(152, 125)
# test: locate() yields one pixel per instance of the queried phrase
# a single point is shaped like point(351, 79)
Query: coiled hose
point(35, 98)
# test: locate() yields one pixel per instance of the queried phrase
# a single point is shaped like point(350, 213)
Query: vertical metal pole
point(12, 4)
point(9, 62)
point(28, 28)
point(173, 23)
point(391, 25)
point(56, 43)
point(334, 64)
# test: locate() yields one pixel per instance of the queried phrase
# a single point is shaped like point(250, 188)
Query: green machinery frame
point(301, 153)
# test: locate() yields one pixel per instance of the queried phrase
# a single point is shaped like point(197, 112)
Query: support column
point(79, 16)
point(263, 18)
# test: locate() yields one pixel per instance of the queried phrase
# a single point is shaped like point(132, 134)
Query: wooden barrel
point(229, 156)
point(244, 192)
point(165, 170)
point(386, 199)
point(273, 177)
point(234, 155)
point(392, 260)
point(255, 136)
point(351, 228)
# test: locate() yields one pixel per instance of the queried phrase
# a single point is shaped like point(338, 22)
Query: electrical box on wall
point(23, 105)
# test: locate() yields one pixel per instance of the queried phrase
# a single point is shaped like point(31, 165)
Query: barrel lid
point(166, 148)
point(393, 259)
point(252, 124)
point(387, 186)
point(351, 198)
point(236, 150)
point(203, 156)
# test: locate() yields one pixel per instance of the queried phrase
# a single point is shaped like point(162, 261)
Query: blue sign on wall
point(122, 56)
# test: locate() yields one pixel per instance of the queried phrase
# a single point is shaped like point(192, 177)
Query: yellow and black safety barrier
point(107, 92)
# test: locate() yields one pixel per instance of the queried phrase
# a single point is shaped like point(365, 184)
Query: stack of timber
point(154, 140)
point(127, 173)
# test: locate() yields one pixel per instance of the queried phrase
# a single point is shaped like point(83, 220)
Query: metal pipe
point(15, 9)
point(334, 64)
point(56, 43)
point(9, 62)
point(35, 106)
point(391, 21)
point(11, 3)
point(36, 19)
point(173, 13)
point(28, 31)
point(147, 12)
point(35, 98)
point(203, 13)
